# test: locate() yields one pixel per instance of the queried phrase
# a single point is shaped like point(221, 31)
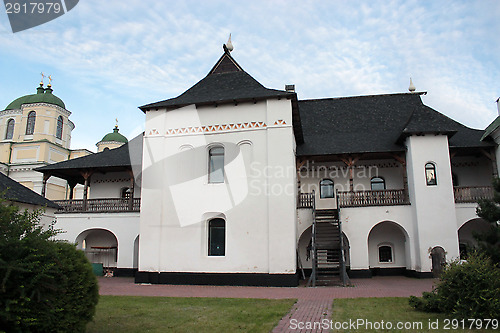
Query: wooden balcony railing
point(99, 206)
point(373, 198)
point(472, 193)
point(305, 200)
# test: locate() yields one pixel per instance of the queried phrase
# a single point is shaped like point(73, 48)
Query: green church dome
point(42, 96)
point(114, 137)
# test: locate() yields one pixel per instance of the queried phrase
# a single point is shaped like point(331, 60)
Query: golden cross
point(50, 79)
point(43, 76)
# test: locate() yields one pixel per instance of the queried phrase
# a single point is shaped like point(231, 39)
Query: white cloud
point(144, 51)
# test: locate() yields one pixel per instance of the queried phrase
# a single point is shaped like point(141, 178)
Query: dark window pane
point(30, 126)
point(59, 127)
point(385, 254)
point(10, 129)
point(216, 237)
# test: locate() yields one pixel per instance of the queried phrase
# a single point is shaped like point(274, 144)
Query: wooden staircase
point(328, 258)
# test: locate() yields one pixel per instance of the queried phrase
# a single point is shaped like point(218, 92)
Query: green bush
point(429, 302)
point(465, 290)
point(45, 285)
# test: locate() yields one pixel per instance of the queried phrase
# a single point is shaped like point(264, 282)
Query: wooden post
point(72, 185)
point(46, 177)
point(349, 162)
point(86, 175)
point(402, 161)
point(132, 186)
point(492, 157)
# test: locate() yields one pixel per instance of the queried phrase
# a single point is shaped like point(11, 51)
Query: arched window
point(216, 165)
point(385, 254)
point(430, 174)
point(377, 184)
point(30, 126)
point(216, 237)
point(9, 134)
point(326, 189)
point(59, 127)
point(125, 193)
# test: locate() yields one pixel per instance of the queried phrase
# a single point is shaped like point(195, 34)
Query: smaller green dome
point(114, 137)
point(42, 96)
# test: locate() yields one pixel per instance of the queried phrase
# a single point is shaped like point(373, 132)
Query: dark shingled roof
point(126, 157)
point(370, 124)
point(227, 82)
point(491, 127)
point(19, 193)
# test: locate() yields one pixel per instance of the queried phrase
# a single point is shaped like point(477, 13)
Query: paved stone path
point(313, 304)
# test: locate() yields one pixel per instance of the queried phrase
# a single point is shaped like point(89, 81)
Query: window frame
point(430, 174)
point(125, 193)
point(59, 128)
point(321, 186)
point(30, 123)
point(382, 181)
point(9, 132)
point(213, 169)
point(391, 260)
point(214, 225)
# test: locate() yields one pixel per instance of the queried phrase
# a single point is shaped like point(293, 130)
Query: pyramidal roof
point(226, 82)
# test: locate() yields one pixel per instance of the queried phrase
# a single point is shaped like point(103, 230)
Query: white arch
point(393, 234)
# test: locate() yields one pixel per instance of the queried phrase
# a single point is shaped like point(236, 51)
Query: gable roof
point(20, 193)
point(376, 123)
point(226, 82)
point(122, 158)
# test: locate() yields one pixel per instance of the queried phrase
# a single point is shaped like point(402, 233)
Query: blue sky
point(109, 57)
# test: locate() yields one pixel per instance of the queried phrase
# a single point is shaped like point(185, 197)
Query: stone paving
point(313, 304)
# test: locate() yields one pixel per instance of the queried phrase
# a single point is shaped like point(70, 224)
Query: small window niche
point(377, 184)
point(217, 237)
point(59, 129)
point(216, 165)
point(9, 134)
point(326, 189)
point(30, 125)
point(385, 254)
point(430, 174)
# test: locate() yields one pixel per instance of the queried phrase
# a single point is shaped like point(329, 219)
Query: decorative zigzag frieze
point(217, 128)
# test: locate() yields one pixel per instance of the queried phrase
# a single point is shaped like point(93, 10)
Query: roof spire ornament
point(116, 120)
point(43, 76)
point(50, 81)
point(228, 47)
point(411, 88)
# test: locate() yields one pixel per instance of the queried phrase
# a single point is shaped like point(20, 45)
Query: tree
point(489, 210)
point(45, 285)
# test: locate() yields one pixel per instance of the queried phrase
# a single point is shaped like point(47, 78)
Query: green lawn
point(389, 309)
point(162, 314)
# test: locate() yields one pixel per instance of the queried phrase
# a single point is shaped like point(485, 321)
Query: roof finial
point(411, 88)
point(50, 81)
point(228, 47)
point(116, 120)
point(43, 76)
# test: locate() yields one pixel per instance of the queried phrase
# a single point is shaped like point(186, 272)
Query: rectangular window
point(430, 174)
point(216, 165)
point(217, 237)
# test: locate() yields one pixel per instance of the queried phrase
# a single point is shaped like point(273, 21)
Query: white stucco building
point(235, 183)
